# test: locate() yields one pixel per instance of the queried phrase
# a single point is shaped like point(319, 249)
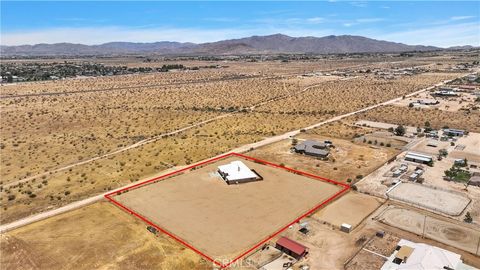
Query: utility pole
point(478, 245)
point(424, 224)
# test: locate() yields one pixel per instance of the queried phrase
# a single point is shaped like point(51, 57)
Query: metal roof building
point(419, 158)
point(237, 172)
point(291, 247)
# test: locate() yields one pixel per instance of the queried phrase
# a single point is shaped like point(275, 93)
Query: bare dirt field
point(440, 229)
point(472, 148)
point(352, 208)
point(464, 101)
point(347, 160)
point(432, 198)
point(217, 218)
point(69, 131)
point(416, 117)
point(374, 254)
point(99, 236)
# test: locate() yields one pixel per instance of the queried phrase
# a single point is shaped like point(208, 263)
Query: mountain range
point(271, 44)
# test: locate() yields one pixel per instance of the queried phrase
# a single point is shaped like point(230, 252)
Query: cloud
point(99, 35)
point(221, 19)
point(362, 20)
point(360, 4)
point(316, 20)
point(437, 35)
point(460, 18)
point(441, 36)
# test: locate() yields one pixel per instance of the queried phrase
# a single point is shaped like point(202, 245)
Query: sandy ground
point(452, 104)
point(437, 228)
point(430, 198)
point(374, 124)
point(472, 148)
point(346, 160)
point(329, 247)
point(429, 150)
point(99, 236)
point(352, 208)
point(217, 218)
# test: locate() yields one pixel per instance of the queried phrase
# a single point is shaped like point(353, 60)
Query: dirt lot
point(371, 255)
point(68, 134)
point(347, 160)
point(352, 208)
point(464, 101)
point(472, 148)
point(417, 117)
point(99, 236)
point(440, 229)
point(431, 198)
point(217, 218)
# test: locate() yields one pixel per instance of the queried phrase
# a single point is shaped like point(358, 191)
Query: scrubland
point(467, 120)
point(41, 135)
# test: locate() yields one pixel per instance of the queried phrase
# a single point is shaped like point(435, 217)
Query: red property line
point(183, 242)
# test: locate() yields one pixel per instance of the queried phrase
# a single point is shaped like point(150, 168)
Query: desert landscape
point(245, 138)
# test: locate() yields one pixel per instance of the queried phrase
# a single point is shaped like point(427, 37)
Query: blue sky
point(421, 22)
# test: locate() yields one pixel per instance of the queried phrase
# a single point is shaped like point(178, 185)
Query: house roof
point(422, 256)
point(452, 130)
point(474, 179)
point(291, 245)
point(313, 147)
point(237, 170)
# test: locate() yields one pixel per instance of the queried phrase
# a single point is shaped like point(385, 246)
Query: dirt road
point(75, 205)
point(160, 136)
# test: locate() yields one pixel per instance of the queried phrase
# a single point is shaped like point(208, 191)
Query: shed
point(432, 143)
point(419, 158)
point(345, 227)
point(453, 132)
point(474, 181)
point(291, 248)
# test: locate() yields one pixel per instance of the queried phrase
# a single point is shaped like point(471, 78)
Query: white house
point(237, 172)
point(419, 256)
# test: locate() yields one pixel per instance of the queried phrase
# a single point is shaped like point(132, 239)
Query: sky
point(440, 24)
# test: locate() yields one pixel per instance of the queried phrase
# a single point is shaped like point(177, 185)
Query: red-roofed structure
point(291, 247)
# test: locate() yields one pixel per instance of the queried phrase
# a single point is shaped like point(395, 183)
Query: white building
point(410, 255)
point(237, 172)
point(419, 158)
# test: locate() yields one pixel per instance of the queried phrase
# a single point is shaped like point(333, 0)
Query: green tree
point(400, 130)
point(468, 218)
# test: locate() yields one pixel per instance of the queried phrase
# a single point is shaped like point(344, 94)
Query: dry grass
point(60, 130)
point(99, 236)
point(337, 97)
point(468, 120)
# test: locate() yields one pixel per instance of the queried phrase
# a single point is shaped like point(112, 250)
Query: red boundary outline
point(183, 242)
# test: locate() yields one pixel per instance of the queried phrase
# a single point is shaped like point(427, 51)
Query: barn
point(291, 248)
point(237, 172)
point(419, 158)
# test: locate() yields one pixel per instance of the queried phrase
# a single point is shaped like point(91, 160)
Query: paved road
point(79, 204)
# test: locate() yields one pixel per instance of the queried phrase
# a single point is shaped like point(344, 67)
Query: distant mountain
point(271, 44)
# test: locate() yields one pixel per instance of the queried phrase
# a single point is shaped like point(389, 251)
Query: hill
point(273, 44)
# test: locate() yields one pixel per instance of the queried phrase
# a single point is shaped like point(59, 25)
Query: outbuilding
point(292, 248)
point(475, 180)
point(237, 172)
point(453, 132)
point(419, 158)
